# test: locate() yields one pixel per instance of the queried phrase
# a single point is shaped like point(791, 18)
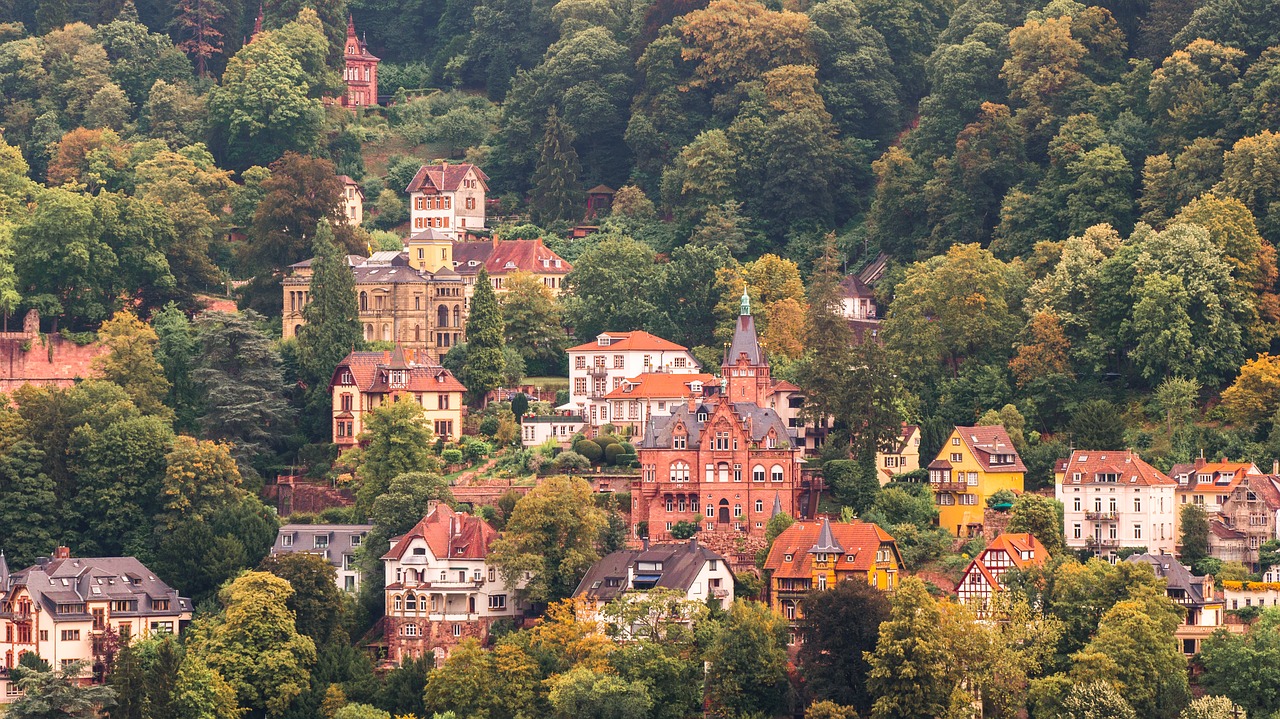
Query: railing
point(598, 371)
point(1102, 516)
point(948, 486)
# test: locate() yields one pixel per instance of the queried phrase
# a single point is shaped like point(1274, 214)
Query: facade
point(903, 457)
point(974, 463)
point(448, 198)
point(984, 577)
point(1114, 500)
point(858, 307)
point(598, 367)
point(814, 555)
point(560, 427)
point(1209, 484)
point(724, 460)
point(1250, 516)
point(361, 72)
point(1192, 593)
point(503, 258)
point(337, 543)
point(637, 399)
point(363, 381)
point(66, 610)
point(440, 588)
point(352, 201)
point(686, 567)
point(1241, 595)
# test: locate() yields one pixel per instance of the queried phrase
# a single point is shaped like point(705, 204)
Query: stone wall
point(290, 496)
point(29, 357)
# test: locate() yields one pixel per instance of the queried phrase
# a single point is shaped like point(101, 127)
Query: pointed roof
point(789, 557)
point(777, 505)
point(397, 358)
point(351, 26)
point(745, 340)
point(826, 543)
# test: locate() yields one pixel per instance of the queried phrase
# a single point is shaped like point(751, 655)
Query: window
point(497, 602)
point(737, 473)
point(1075, 505)
point(618, 361)
point(1137, 504)
point(457, 630)
point(757, 474)
point(737, 510)
point(679, 441)
point(409, 630)
point(70, 635)
point(442, 401)
point(68, 662)
point(580, 362)
point(759, 505)
point(162, 627)
point(321, 541)
point(286, 540)
point(1075, 530)
point(955, 441)
point(956, 457)
point(776, 473)
point(1137, 531)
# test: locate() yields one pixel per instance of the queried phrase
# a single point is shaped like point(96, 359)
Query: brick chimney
point(62, 553)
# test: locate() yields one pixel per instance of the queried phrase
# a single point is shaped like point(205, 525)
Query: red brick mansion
point(723, 459)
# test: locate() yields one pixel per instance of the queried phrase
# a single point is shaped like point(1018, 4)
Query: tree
point(1097, 425)
point(1255, 394)
point(196, 23)
point(841, 626)
point(910, 669)
point(30, 507)
point(332, 323)
point(854, 483)
point(201, 478)
point(317, 604)
point(1243, 667)
point(406, 500)
point(747, 662)
point(253, 644)
point(610, 288)
point(581, 692)
point(531, 321)
point(1249, 170)
point(731, 41)
point(552, 534)
point(1177, 397)
point(1096, 700)
point(482, 370)
point(396, 440)
point(556, 194)
point(360, 711)
point(1042, 518)
point(1194, 529)
point(49, 694)
point(176, 352)
point(1208, 707)
point(131, 362)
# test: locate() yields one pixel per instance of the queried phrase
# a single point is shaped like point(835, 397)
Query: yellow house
point(902, 457)
point(363, 381)
point(815, 555)
point(975, 463)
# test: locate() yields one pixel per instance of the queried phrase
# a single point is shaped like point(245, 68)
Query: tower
point(745, 368)
point(429, 251)
point(361, 72)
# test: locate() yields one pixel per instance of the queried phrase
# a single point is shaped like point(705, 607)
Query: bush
point(338, 515)
point(451, 456)
point(1002, 496)
point(489, 425)
point(572, 461)
point(589, 450)
point(627, 448)
point(476, 451)
point(684, 529)
point(611, 453)
point(562, 396)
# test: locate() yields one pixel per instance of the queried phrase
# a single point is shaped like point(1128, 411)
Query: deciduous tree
point(131, 362)
point(841, 626)
point(396, 441)
point(551, 533)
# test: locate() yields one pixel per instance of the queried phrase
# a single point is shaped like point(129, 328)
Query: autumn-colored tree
point(131, 362)
point(1255, 394)
point(196, 23)
point(201, 478)
point(736, 40)
point(1044, 350)
point(70, 161)
point(1044, 72)
point(786, 329)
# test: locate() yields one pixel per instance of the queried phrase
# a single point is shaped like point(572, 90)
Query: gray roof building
point(63, 585)
point(667, 566)
point(337, 543)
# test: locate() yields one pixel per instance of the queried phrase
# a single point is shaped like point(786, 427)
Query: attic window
point(419, 551)
point(557, 263)
point(1075, 477)
point(702, 416)
point(787, 558)
point(472, 263)
point(509, 266)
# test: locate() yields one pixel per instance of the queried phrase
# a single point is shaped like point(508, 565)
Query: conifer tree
point(195, 21)
point(555, 182)
point(332, 326)
point(482, 370)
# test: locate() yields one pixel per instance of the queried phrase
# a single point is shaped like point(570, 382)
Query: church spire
point(744, 308)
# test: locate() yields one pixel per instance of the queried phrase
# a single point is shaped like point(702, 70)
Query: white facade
point(352, 202)
point(536, 430)
point(599, 367)
point(336, 543)
point(1106, 517)
point(453, 210)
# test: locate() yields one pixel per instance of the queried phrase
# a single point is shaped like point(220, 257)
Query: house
point(974, 463)
point(817, 554)
point(399, 298)
point(361, 71)
point(902, 457)
point(1242, 595)
point(724, 459)
point(363, 381)
point(1192, 593)
point(598, 367)
point(983, 579)
point(440, 588)
point(858, 307)
point(561, 427)
point(1209, 484)
point(1114, 500)
point(352, 201)
point(76, 609)
point(632, 403)
point(503, 258)
point(687, 567)
point(448, 198)
point(1247, 518)
point(337, 543)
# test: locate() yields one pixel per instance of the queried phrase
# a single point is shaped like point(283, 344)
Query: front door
point(724, 511)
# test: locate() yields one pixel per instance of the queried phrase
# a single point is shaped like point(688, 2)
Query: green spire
point(745, 309)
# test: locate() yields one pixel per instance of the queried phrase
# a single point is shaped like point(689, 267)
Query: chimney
point(62, 553)
point(431, 506)
point(693, 404)
point(645, 543)
point(693, 543)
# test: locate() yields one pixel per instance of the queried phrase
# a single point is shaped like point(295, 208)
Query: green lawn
point(547, 382)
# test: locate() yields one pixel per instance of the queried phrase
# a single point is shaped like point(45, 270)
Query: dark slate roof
point(387, 275)
point(826, 543)
point(76, 580)
point(302, 540)
point(745, 342)
point(658, 432)
point(1177, 576)
point(680, 566)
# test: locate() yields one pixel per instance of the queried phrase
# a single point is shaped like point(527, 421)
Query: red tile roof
point(507, 256)
point(449, 534)
point(859, 540)
point(1127, 464)
point(369, 372)
point(1013, 545)
point(658, 385)
point(1237, 471)
point(443, 178)
point(637, 340)
point(986, 443)
point(1222, 531)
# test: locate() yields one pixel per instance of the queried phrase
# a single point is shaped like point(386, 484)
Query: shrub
point(1002, 496)
point(589, 450)
point(611, 452)
point(572, 461)
point(628, 448)
point(476, 451)
point(452, 456)
point(684, 529)
point(489, 426)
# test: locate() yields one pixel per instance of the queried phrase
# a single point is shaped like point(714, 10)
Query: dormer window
point(602, 341)
point(787, 558)
point(398, 378)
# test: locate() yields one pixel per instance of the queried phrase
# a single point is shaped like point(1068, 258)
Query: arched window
point(411, 602)
point(442, 316)
point(757, 473)
point(364, 302)
point(777, 473)
point(759, 506)
point(397, 602)
point(679, 472)
point(457, 316)
point(386, 333)
point(368, 333)
point(417, 333)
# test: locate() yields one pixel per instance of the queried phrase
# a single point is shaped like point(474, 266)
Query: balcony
point(598, 371)
point(1094, 542)
point(452, 617)
point(948, 486)
point(1102, 516)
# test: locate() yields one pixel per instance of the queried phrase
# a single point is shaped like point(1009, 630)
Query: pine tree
point(555, 182)
point(195, 21)
point(332, 326)
point(482, 370)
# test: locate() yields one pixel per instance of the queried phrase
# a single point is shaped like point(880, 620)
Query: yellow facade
point(429, 252)
point(962, 496)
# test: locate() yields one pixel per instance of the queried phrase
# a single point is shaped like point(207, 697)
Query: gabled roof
point(1222, 531)
point(681, 564)
point(1127, 464)
point(636, 341)
point(506, 256)
point(659, 385)
point(858, 541)
point(986, 443)
point(1267, 488)
point(1178, 577)
point(369, 372)
point(448, 535)
point(1023, 550)
point(444, 177)
point(658, 433)
point(77, 580)
point(851, 286)
point(1224, 476)
point(904, 437)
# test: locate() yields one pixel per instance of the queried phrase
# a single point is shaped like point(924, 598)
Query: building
point(858, 307)
point(352, 201)
point(983, 579)
point(1192, 593)
point(817, 554)
point(1242, 595)
point(1247, 518)
point(440, 588)
point(723, 460)
point(598, 367)
point(687, 567)
point(71, 609)
point(1209, 484)
point(974, 463)
point(399, 298)
point(1114, 500)
point(903, 457)
point(337, 543)
point(637, 399)
point(503, 258)
point(448, 198)
point(363, 381)
point(361, 72)
point(561, 427)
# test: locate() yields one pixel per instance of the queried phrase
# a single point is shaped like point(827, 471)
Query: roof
point(1129, 466)
point(77, 580)
point(987, 443)
point(601, 190)
point(858, 542)
point(444, 177)
point(659, 385)
point(636, 341)
point(1023, 549)
point(339, 536)
point(1181, 583)
point(904, 437)
point(758, 420)
point(507, 256)
point(745, 342)
point(448, 534)
point(380, 275)
point(1223, 476)
point(681, 564)
point(346, 180)
point(851, 286)
point(361, 46)
point(1222, 531)
point(369, 371)
point(1267, 489)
